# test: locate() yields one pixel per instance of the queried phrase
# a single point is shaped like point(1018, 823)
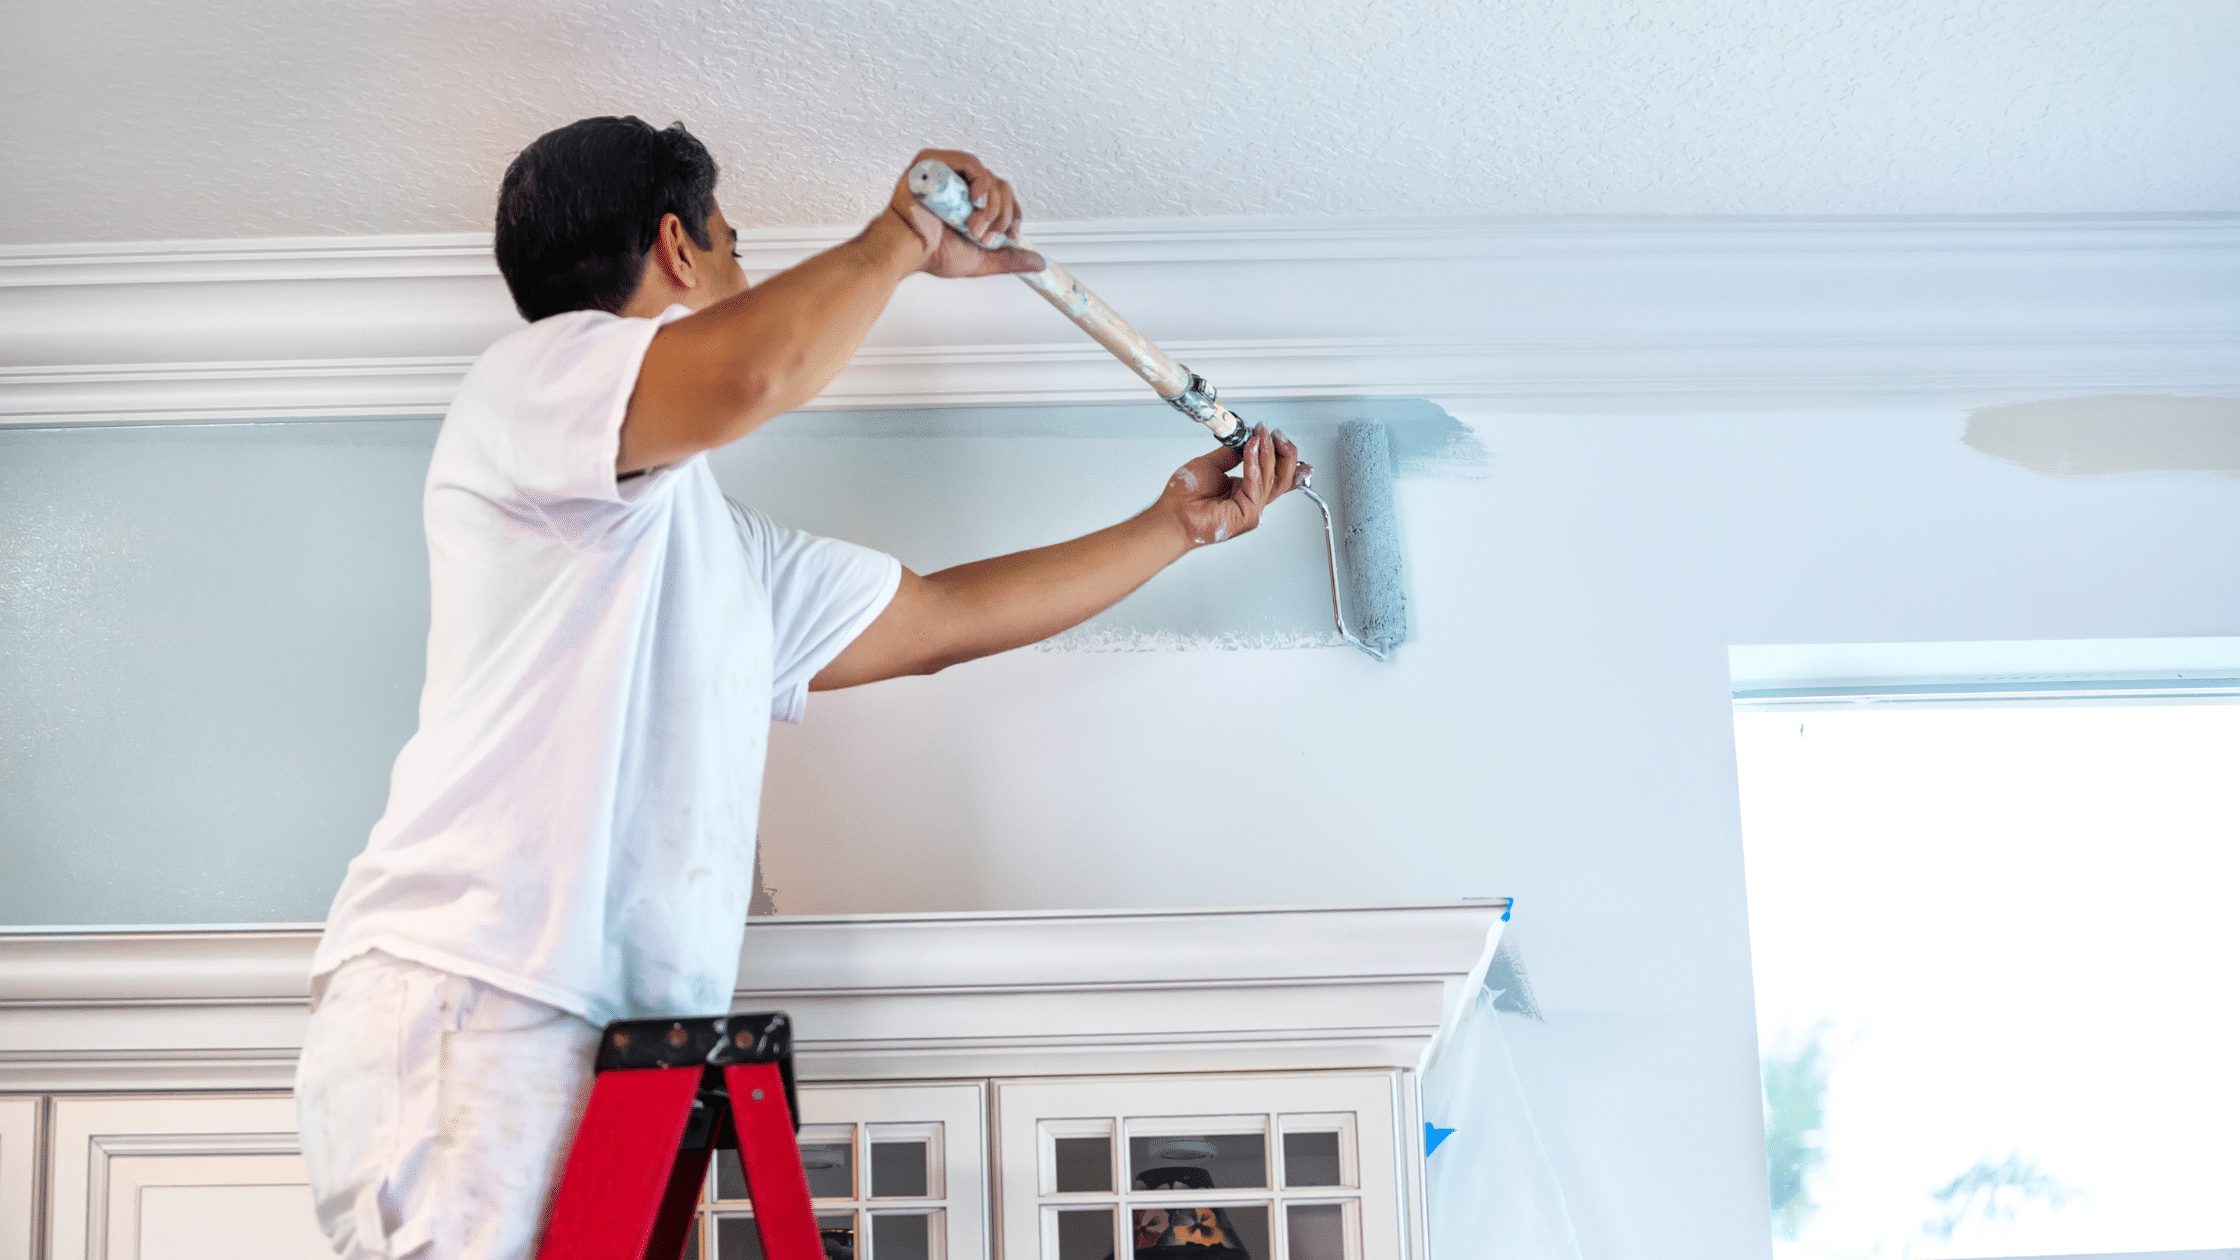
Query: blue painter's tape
point(1433, 1135)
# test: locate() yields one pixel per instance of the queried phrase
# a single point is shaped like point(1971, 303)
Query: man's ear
point(672, 253)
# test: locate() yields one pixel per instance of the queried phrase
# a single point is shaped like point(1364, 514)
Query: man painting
point(569, 835)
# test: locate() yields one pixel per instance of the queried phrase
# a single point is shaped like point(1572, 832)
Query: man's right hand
point(742, 359)
point(946, 253)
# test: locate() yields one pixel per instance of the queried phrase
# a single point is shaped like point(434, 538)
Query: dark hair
point(580, 207)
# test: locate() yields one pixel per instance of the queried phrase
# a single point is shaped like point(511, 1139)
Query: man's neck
point(653, 298)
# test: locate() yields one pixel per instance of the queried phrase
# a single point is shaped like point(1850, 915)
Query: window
point(1997, 959)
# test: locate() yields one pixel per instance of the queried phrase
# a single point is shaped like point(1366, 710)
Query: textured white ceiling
point(146, 119)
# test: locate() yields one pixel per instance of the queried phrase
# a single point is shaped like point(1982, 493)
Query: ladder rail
point(666, 1095)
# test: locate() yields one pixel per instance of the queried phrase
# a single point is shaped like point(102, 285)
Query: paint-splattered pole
point(943, 191)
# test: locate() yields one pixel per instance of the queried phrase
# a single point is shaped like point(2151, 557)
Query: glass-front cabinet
point(1244, 1166)
point(1241, 1166)
point(974, 1086)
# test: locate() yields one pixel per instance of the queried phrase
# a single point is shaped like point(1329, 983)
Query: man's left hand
point(1213, 506)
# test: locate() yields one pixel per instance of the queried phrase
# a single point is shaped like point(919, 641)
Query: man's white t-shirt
point(574, 821)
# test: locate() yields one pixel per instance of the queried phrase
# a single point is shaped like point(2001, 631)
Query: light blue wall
point(211, 644)
point(211, 636)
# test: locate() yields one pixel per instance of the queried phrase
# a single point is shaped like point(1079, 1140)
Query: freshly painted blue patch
point(1506, 980)
point(1433, 1135)
point(944, 486)
point(164, 651)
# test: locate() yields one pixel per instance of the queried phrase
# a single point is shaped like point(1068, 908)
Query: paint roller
point(1368, 580)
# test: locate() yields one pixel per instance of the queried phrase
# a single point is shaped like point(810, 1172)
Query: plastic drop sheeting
point(1491, 1192)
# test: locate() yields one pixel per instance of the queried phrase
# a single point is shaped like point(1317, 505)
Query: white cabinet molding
point(107, 966)
point(879, 996)
point(1560, 313)
point(875, 997)
point(21, 1119)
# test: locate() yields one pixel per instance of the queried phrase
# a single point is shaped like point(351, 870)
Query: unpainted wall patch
point(2112, 433)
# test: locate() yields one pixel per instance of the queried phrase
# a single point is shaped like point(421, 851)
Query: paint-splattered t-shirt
point(574, 821)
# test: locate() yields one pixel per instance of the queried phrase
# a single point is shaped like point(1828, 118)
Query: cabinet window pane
point(1085, 1234)
point(1236, 1227)
point(1311, 1159)
point(901, 1237)
point(898, 1170)
point(1195, 1161)
point(828, 1155)
point(736, 1239)
point(1084, 1165)
point(839, 1233)
point(1316, 1231)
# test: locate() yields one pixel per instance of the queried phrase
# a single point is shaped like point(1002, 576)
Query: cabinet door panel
point(179, 1177)
point(211, 1207)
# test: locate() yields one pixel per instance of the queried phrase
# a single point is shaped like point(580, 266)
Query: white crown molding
point(140, 393)
point(265, 259)
point(1044, 951)
point(875, 996)
point(1213, 239)
point(1631, 312)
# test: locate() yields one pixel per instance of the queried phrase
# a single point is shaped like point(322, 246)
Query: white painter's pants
point(436, 1112)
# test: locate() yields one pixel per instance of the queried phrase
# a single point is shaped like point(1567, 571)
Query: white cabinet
point(200, 1177)
point(1285, 1165)
point(1282, 1165)
point(973, 1085)
point(19, 1174)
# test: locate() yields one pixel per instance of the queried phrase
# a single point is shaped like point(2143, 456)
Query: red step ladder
point(667, 1095)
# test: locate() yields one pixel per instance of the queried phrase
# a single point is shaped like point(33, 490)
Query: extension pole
point(944, 192)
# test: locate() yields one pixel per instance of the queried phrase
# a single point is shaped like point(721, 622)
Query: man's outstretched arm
point(994, 605)
point(748, 357)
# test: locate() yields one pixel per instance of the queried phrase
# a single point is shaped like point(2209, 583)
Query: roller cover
point(1369, 535)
